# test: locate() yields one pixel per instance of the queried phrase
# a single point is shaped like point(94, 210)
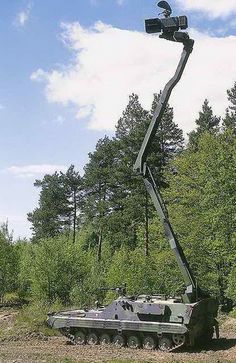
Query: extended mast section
point(169, 29)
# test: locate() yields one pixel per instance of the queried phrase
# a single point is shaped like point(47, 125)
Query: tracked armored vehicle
point(150, 321)
point(144, 321)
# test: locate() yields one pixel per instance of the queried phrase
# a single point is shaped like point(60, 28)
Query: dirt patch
point(7, 317)
point(9, 331)
point(229, 326)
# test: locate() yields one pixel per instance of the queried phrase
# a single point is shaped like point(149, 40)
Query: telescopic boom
point(169, 30)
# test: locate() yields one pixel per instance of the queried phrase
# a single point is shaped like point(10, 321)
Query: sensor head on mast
point(167, 25)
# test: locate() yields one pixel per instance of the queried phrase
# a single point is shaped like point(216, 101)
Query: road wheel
point(149, 342)
point(165, 344)
point(178, 339)
point(119, 341)
point(133, 342)
point(92, 339)
point(79, 338)
point(105, 339)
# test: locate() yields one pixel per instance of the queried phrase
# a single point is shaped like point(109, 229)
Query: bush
point(152, 274)
point(231, 291)
point(57, 267)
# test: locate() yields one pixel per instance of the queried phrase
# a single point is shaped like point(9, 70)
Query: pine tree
point(206, 122)
point(130, 133)
point(110, 201)
point(131, 202)
point(59, 200)
point(232, 97)
point(74, 196)
point(229, 121)
point(45, 219)
point(169, 135)
point(98, 182)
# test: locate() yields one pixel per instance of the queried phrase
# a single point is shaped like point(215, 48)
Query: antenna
point(167, 9)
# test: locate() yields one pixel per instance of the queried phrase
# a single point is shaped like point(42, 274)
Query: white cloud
point(1, 107)
point(30, 171)
point(38, 75)
point(111, 63)
point(23, 16)
point(120, 2)
point(213, 8)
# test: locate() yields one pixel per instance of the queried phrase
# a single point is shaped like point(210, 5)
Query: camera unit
point(166, 25)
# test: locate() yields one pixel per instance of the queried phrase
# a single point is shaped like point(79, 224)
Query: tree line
point(100, 229)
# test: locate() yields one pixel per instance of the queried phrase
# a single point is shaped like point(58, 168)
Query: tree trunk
point(99, 254)
point(102, 214)
point(74, 215)
point(146, 232)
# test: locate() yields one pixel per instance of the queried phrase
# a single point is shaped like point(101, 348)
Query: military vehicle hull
point(143, 322)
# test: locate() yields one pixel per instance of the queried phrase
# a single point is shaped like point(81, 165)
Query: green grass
point(32, 318)
point(233, 313)
point(28, 319)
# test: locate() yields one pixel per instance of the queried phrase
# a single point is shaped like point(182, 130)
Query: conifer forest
point(100, 229)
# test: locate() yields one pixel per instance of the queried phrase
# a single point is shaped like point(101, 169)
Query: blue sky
point(63, 61)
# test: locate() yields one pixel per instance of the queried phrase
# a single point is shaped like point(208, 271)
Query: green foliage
point(102, 230)
point(233, 312)
point(203, 208)
point(90, 288)
point(145, 274)
point(8, 263)
point(25, 255)
point(231, 291)
point(59, 203)
point(169, 138)
point(99, 182)
point(33, 317)
point(53, 258)
point(207, 122)
point(30, 319)
point(229, 122)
